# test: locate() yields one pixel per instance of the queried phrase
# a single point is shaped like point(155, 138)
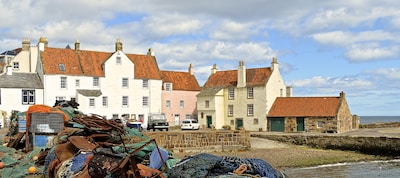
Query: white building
point(111, 84)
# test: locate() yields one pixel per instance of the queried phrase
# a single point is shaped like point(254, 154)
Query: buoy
point(1, 165)
point(32, 170)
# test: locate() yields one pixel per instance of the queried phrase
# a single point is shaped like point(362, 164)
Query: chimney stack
point(289, 91)
point(118, 45)
point(214, 69)
point(43, 43)
point(274, 64)
point(150, 52)
point(9, 70)
point(26, 44)
point(190, 70)
point(241, 78)
point(77, 45)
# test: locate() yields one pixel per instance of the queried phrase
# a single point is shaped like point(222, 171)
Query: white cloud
point(366, 53)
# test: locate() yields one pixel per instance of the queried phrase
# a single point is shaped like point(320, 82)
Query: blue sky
point(323, 47)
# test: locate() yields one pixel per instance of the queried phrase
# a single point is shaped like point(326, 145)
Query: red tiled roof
point(304, 106)
point(89, 63)
point(181, 80)
point(145, 66)
point(254, 77)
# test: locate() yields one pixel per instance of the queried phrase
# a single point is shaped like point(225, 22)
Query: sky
point(322, 47)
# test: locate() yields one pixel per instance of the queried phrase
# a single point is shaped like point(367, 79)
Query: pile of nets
point(208, 165)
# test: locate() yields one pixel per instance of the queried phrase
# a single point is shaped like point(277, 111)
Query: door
point(177, 119)
point(300, 124)
point(277, 124)
point(209, 121)
point(239, 123)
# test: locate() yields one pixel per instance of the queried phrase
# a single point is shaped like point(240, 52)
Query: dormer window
point(61, 67)
point(168, 86)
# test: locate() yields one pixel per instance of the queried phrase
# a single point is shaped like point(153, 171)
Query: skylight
point(61, 67)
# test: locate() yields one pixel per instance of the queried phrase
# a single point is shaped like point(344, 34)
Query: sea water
point(381, 169)
point(378, 119)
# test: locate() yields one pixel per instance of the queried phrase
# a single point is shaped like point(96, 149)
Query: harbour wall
point(384, 146)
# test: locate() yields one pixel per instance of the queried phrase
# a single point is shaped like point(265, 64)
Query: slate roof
point(210, 91)
point(21, 80)
point(181, 80)
point(89, 63)
point(254, 77)
point(305, 107)
point(90, 93)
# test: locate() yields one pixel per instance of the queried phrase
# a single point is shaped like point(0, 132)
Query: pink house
point(179, 91)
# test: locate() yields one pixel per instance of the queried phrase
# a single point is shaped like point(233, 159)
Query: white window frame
point(207, 104)
point(15, 65)
point(250, 92)
point(125, 83)
point(63, 82)
point(230, 110)
point(168, 104)
point(181, 104)
point(145, 83)
point(96, 82)
point(145, 101)
point(231, 93)
point(77, 83)
point(125, 101)
point(320, 124)
point(168, 86)
point(28, 97)
point(92, 102)
point(105, 101)
point(250, 110)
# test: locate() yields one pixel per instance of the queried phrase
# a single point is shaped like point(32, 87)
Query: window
point(63, 82)
point(230, 110)
point(96, 81)
point(118, 60)
point(319, 124)
point(105, 101)
point(124, 101)
point(250, 110)
point(77, 83)
point(28, 96)
point(281, 92)
point(91, 102)
point(255, 122)
point(250, 92)
point(61, 67)
point(168, 104)
point(182, 104)
point(60, 98)
point(232, 122)
point(16, 65)
point(207, 104)
point(231, 93)
point(145, 84)
point(125, 83)
point(168, 86)
point(145, 101)
point(188, 116)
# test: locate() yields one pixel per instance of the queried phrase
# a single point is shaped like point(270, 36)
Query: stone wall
point(386, 146)
point(204, 141)
point(381, 125)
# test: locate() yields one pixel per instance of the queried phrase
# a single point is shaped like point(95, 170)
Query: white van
point(190, 124)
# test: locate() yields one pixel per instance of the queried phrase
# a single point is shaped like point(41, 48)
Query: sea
point(370, 169)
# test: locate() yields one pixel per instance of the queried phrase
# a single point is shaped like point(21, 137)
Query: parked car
point(190, 124)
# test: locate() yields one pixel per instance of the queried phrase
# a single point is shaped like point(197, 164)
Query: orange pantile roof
point(181, 80)
point(305, 106)
point(145, 66)
point(89, 63)
point(254, 77)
